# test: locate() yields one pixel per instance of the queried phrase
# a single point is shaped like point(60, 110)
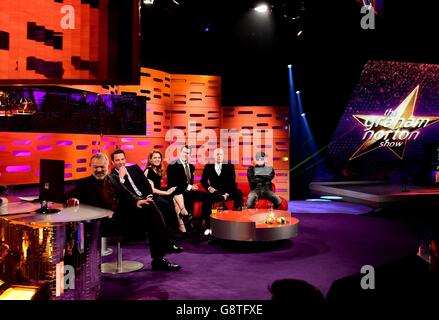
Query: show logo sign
point(389, 126)
point(394, 128)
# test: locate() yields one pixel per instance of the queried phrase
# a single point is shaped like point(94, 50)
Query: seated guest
point(105, 190)
point(219, 179)
point(259, 178)
point(134, 180)
point(181, 175)
point(154, 173)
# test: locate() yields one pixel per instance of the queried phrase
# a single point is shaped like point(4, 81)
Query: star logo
point(393, 129)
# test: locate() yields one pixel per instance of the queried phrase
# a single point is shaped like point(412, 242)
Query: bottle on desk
point(44, 199)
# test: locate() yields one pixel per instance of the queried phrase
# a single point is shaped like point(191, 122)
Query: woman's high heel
point(181, 215)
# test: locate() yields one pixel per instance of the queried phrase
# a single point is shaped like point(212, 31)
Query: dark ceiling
point(251, 53)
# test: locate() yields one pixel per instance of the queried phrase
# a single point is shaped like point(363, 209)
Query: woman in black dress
point(154, 172)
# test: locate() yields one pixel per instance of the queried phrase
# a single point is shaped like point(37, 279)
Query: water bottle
point(44, 199)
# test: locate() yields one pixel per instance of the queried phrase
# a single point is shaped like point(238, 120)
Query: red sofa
point(245, 188)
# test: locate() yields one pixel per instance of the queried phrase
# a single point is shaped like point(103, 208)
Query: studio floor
point(331, 244)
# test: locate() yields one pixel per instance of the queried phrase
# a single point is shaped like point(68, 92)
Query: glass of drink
point(270, 207)
point(214, 209)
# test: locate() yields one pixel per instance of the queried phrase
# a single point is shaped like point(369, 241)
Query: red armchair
point(245, 188)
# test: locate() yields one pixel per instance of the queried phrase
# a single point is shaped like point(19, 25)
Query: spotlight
point(148, 2)
point(303, 114)
point(262, 8)
point(297, 92)
point(318, 200)
point(290, 66)
point(299, 33)
point(332, 197)
point(206, 29)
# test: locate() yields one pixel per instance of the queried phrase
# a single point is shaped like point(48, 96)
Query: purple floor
point(329, 246)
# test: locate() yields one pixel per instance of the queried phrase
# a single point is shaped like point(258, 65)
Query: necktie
point(218, 169)
point(187, 172)
point(136, 190)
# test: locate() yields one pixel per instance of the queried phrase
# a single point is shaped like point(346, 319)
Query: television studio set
point(220, 158)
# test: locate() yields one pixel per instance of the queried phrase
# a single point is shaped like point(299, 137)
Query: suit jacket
point(260, 177)
point(224, 183)
point(139, 180)
point(108, 193)
point(177, 177)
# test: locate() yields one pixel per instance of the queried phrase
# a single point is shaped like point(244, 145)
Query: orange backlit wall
point(188, 104)
point(36, 44)
point(20, 155)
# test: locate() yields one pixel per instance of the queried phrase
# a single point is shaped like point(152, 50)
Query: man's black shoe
point(174, 249)
point(164, 265)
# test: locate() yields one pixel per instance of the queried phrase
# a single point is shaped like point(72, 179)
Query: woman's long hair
point(159, 168)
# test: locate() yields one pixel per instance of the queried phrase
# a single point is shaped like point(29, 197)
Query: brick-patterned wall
point(20, 155)
point(264, 122)
point(173, 101)
point(34, 46)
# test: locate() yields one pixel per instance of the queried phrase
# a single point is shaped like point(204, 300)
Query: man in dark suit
point(134, 180)
point(181, 175)
point(105, 190)
point(219, 179)
point(259, 178)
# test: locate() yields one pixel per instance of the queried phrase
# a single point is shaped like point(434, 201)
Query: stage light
point(148, 2)
point(261, 8)
point(299, 33)
point(302, 114)
point(206, 29)
point(290, 66)
point(332, 197)
point(297, 92)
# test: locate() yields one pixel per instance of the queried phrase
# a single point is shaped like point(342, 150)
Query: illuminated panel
point(257, 117)
point(154, 84)
point(69, 41)
point(157, 120)
point(44, 44)
point(105, 89)
point(21, 154)
point(198, 118)
point(195, 90)
point(390, 100)
point(156, 87)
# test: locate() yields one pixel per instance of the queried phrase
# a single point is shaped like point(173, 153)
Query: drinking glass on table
point(220, 208)
point(270, 207)
point(214, 209)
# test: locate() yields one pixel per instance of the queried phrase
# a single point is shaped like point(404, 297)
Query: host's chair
point(111, 228)
point(105, 250)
